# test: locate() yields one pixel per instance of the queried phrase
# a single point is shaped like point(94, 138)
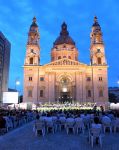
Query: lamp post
point(118, 83)
point(17, 83)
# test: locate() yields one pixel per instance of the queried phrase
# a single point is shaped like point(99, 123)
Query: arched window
point(101, 93)
point(52, 58)
point(100, 78)
point(29, 93)
point(31, 50)
point(59, 57)
point(88, 78)
point(99, 61)
point(1, 59)
point(69, 57)
point(41, 93)
point(89, 93)
point(30, 78)
point(31, 60)
point(98, 50)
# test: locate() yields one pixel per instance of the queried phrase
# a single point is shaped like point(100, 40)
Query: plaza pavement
point(23, 138)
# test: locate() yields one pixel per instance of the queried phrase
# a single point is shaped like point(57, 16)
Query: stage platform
point(59, 106)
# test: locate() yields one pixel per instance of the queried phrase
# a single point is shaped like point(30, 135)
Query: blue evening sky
point(16, 17)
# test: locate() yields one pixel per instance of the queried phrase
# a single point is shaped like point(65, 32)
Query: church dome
point(64, 37)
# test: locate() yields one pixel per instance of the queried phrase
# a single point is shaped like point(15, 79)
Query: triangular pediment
point(63, 62)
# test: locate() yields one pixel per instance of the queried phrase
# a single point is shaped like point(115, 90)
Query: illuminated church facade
point(65, 79)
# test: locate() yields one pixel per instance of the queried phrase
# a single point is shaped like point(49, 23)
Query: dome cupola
point(64, 37)
point(64, 47)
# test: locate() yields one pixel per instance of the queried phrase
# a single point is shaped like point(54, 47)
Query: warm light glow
point(64, 89)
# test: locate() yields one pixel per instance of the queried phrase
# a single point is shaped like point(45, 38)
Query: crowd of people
point(10, 119)
point(75, 120)
point(91, 121)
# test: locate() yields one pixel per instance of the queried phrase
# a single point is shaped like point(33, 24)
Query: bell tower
point(97, 49)
point(33, 48)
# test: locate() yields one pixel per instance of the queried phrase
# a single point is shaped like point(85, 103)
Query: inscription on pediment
point(64, 62)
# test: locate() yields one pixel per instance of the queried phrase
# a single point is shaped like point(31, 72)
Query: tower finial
point(64, 26)
point(95, 19)
point(34, 24)
point(96, 24)
point(64, 29)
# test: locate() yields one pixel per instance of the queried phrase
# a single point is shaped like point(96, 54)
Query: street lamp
point(17, 83)
point(118, 82)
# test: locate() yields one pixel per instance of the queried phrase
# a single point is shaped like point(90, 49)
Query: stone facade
point(65, 79)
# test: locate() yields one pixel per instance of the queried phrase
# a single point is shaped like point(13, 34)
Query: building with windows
point(65, 79)
point(5, 47)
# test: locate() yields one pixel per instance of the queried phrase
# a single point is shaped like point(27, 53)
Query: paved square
point(23, 138)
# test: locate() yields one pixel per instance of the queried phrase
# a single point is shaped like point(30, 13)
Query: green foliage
point(112, 98)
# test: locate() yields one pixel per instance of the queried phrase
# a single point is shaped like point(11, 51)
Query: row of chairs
point(54, 125)
point(76, 128)
point(77, 125)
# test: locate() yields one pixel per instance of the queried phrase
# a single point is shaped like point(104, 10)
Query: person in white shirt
point(96, 123)
point(96, 126)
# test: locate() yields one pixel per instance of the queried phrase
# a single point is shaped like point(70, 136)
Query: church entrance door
point(65, 92)
point(65, 97)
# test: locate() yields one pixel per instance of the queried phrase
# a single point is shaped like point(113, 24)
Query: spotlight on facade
point(64, 89)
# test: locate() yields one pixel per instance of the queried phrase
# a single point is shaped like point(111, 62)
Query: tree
point(112, 98)
point(20, 98)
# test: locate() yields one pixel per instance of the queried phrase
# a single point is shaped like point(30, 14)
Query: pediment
point(63, 62)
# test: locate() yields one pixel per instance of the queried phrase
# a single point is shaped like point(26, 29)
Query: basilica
point(65, 78)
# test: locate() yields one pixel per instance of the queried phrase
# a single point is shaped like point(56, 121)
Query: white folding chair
point(116, 124)
point(93, 134)
point(79, 125)
point(40, 127)
point(62, 121)
point(50, 125)
point(107, 125)
point(70, 125)
point(55, 121)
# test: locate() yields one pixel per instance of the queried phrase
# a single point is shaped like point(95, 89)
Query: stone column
point(77, 87)
point(51, 87)
point(47, 87)
point(83, 78)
